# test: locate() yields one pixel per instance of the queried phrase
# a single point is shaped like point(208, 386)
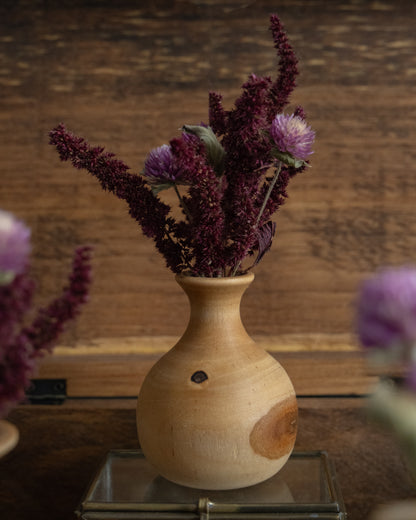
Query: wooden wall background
point(127, 75)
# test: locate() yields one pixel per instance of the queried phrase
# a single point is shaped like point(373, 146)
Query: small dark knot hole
point(199, 376)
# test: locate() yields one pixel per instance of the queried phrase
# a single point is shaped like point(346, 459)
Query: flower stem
point(183, 255)
point(269, 192)
point(182, 203)
point(263, 207)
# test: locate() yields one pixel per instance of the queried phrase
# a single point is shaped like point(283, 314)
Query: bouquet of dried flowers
point(230, 175)
point(21, 343)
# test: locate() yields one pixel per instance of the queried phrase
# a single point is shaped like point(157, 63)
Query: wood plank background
point(127, 75)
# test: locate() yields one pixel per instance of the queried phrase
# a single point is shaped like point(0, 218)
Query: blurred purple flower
point(386, 309)
point(14, 246)
point(291, 134)
point(21, 346)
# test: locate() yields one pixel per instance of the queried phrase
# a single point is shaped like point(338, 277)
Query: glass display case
point(127, 487)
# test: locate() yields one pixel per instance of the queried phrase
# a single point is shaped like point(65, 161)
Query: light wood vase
point(216, 411)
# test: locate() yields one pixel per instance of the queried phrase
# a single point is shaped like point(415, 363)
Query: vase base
point(227, 482)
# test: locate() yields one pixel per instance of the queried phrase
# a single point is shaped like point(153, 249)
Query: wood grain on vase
point(208, 405)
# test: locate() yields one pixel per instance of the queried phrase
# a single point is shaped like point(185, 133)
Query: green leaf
point(215, 151)
point(157, 188)
point(288, 158)
point(6, 277)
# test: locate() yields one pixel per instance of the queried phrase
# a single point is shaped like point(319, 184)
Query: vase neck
point(215, 309)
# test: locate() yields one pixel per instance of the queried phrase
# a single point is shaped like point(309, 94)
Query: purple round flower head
point(291, 134)
point(159, 166)
point(386, 309)
point(14, 246)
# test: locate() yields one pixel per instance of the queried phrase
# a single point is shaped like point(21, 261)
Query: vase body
point(216, 411)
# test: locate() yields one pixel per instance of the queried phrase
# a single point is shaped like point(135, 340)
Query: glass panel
point(126, 477)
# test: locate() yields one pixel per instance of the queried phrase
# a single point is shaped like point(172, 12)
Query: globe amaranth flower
point(386, 309)
point(160, 169)
point(292, 136)
point(386, 319)
point(14, 247)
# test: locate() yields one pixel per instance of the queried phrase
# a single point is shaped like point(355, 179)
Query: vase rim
point(223, 280)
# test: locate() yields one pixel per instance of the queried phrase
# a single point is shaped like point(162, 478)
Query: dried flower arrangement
point(234, 173)
point(21, 344)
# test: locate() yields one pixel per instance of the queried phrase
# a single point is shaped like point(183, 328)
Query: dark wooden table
point(61, 446)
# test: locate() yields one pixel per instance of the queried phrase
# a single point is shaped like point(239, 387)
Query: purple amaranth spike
point(288, 66)
point(15, 301)
point(147, 209)
point(204, 233)
point(19, 350)
point(248, 147)
point(217, 114)
point(50, 321)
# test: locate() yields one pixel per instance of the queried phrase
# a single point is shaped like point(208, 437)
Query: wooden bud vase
point(216, 411)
